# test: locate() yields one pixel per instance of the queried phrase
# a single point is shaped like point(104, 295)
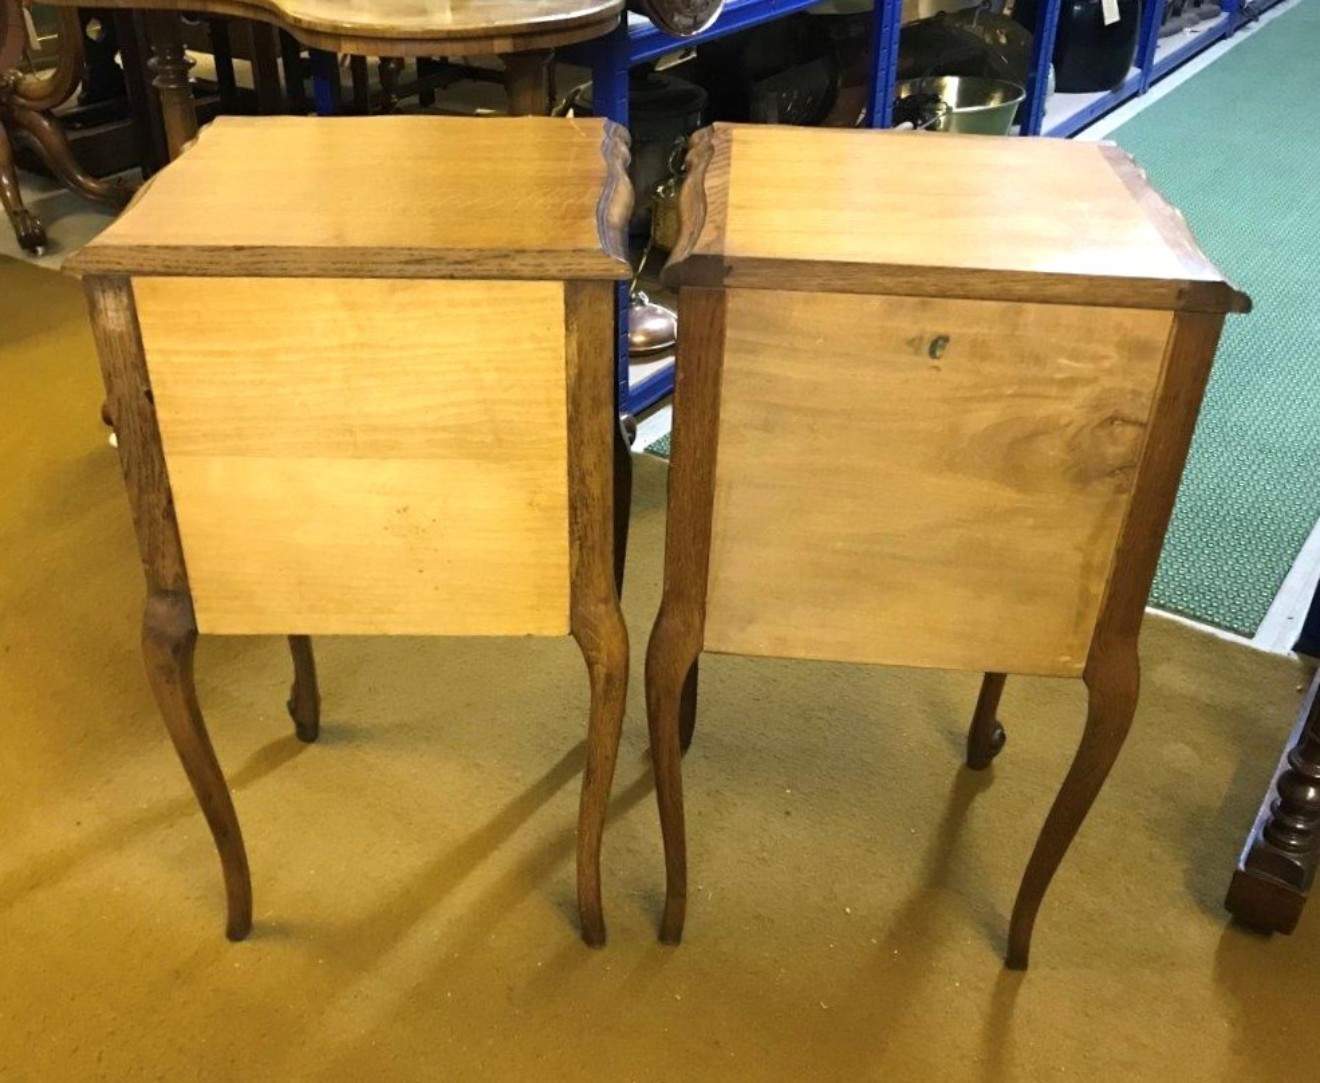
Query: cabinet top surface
point(945, 215)
point(527, 197)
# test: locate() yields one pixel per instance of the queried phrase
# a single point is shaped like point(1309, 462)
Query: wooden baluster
point(171, 64)
point(1278, 865)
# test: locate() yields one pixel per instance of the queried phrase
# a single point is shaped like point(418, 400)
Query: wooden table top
point(491, 197)
point(413, 27)
point(939, 215)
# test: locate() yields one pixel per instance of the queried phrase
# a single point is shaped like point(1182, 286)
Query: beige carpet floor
point(413, 871)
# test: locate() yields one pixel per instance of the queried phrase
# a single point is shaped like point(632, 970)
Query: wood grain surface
point(924, 482)
point(320, 490)
point(947, 215)
point(413, 27)
point(264, 196)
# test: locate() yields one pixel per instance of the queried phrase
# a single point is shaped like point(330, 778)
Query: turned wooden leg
point(623, 487)
point(27, 228)
point(527, 80)
point(1278, 864)
point(57, 153)
point(171, 63)
point(601, 634)
point(671, 659)
point(169, 637)
point(986, 737)
point(1112, 680)
point(687, 708)
point(304, 697)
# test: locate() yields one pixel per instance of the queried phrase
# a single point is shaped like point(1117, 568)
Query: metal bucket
point(965, 103)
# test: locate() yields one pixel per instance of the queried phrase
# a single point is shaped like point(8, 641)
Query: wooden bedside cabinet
point(385, 408)
point(921, 420)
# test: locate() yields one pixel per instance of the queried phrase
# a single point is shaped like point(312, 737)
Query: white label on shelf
point(1109, 8)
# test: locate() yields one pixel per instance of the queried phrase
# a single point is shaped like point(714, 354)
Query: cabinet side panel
point(924, 482)
point(365, 456)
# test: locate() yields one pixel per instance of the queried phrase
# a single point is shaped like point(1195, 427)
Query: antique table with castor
point(383, 409)
point(920, 423)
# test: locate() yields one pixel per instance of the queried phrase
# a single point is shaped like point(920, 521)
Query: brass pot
point(652, 328)
point(682, 18)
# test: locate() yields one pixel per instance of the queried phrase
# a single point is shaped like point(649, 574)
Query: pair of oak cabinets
point(917, 422)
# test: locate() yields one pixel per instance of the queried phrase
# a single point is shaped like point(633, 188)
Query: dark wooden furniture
point(917, 424)
point(1277, 867)
point(348, 410)
point(26, 104)
point(524, 33)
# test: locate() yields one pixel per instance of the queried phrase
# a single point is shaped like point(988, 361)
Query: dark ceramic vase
point(1088, 55)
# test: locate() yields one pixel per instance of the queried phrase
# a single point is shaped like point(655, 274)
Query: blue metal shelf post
point(884, 62)
point(1038, 77)
point(325, 80)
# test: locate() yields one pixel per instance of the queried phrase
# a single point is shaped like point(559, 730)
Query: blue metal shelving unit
point(1067, 114)
point(1175, 53)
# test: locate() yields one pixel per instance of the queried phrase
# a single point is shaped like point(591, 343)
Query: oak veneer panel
point(267, 196)
point(365, 456)
point(876, 504)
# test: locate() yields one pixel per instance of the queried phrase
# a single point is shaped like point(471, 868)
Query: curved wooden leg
point(687, 708)
point(1112, 680)
point(603, 638)
point(169, 637)
point(57, 153)
point(623, 487)
point(671, 658)
point(527, 80)
point(27, 227)
point(304, 697)
point(986, 737)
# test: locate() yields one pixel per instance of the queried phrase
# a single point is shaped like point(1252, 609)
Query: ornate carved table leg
point(171, 65)
point(57, 154)
point(27, 228)
point(25, 103)
point(304, 696)
point(1278, 865)
point(527, 79)
point(986, 737)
